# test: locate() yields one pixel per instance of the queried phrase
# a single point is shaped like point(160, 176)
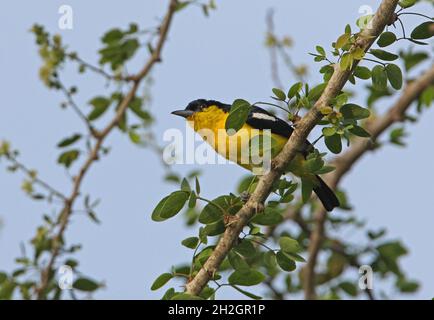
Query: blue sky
point(221, 57)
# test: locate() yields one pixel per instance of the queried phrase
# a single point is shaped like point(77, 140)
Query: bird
point(210, 116)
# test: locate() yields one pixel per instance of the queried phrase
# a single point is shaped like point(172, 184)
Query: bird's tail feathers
point(326, 195)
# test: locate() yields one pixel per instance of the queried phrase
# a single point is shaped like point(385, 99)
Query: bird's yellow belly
point(249, 147)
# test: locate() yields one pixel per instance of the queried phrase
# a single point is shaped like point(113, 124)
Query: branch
point(278, 47)
point(344, 163)
point(294, 143)
point(12, 158)
point(73, 56)
point(273, 52)
point(77, 110)
point(66, 212)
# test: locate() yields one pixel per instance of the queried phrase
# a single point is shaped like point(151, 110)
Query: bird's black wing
point(261, 119)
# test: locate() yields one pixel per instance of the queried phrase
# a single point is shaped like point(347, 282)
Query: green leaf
point(192, 200)
point(406, 3)
point(394, 74)
point(190, 242)
point(136, 107)
point(342, 40)
point(211, 213)
point(92, 216)
point(85, 284)
point(238, 114)
point(116, 53)
point(328, 131)
point(392, 249)
point(289, 245)
point(269, 259)
point(413, 59)
point(396, 136)
point(295, 257)
point(202, 235)
point(134, 136)
point(379, 78)
point(359, 131)
point(249, 277)
point(246, 249)
point(362, 72)
point(170, 205)
point(373, 235)
point(349, 288)
point(312, 165)
point(320, 50)
point(295, 89)
point(427, 96)
point(334, 143)
point(423, 31)
point(353, 111)
point(100, 105)
point(285, 262)
point(246, 293)
point(181, 5)
point(316, 92)
point(215, 228)
point(269, 217)
point(358, 53)
point(203, 256)
point(346, 61)
point(407, 286)
point(197, 185)
point(112, 36)
point(168, 294)
point(280, 95)
point(161, 281)
point(325, 169)
point(68, 141)
point(208, 293)
point(383, 55)
point(237, 262)
point(185, 186)
point(3, 277)
point(306, 189)
point(68, 157)
point(386, 39)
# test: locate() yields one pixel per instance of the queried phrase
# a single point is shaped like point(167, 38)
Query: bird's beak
point(183, 113)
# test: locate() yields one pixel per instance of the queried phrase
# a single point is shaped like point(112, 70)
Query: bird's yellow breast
point(210, 124)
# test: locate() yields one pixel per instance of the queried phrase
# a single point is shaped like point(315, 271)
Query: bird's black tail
point(326, 195)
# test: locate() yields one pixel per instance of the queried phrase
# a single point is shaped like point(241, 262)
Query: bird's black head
point(199, 105)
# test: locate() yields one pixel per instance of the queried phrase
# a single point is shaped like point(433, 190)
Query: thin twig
point(96, 69)
point(415, 14)
point(273, 51)
point(77, 109)
point(35, 179)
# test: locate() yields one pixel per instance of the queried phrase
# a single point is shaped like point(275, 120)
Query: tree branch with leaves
point(119, 47)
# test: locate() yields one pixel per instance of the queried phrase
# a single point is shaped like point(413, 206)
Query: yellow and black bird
point(210, 115)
